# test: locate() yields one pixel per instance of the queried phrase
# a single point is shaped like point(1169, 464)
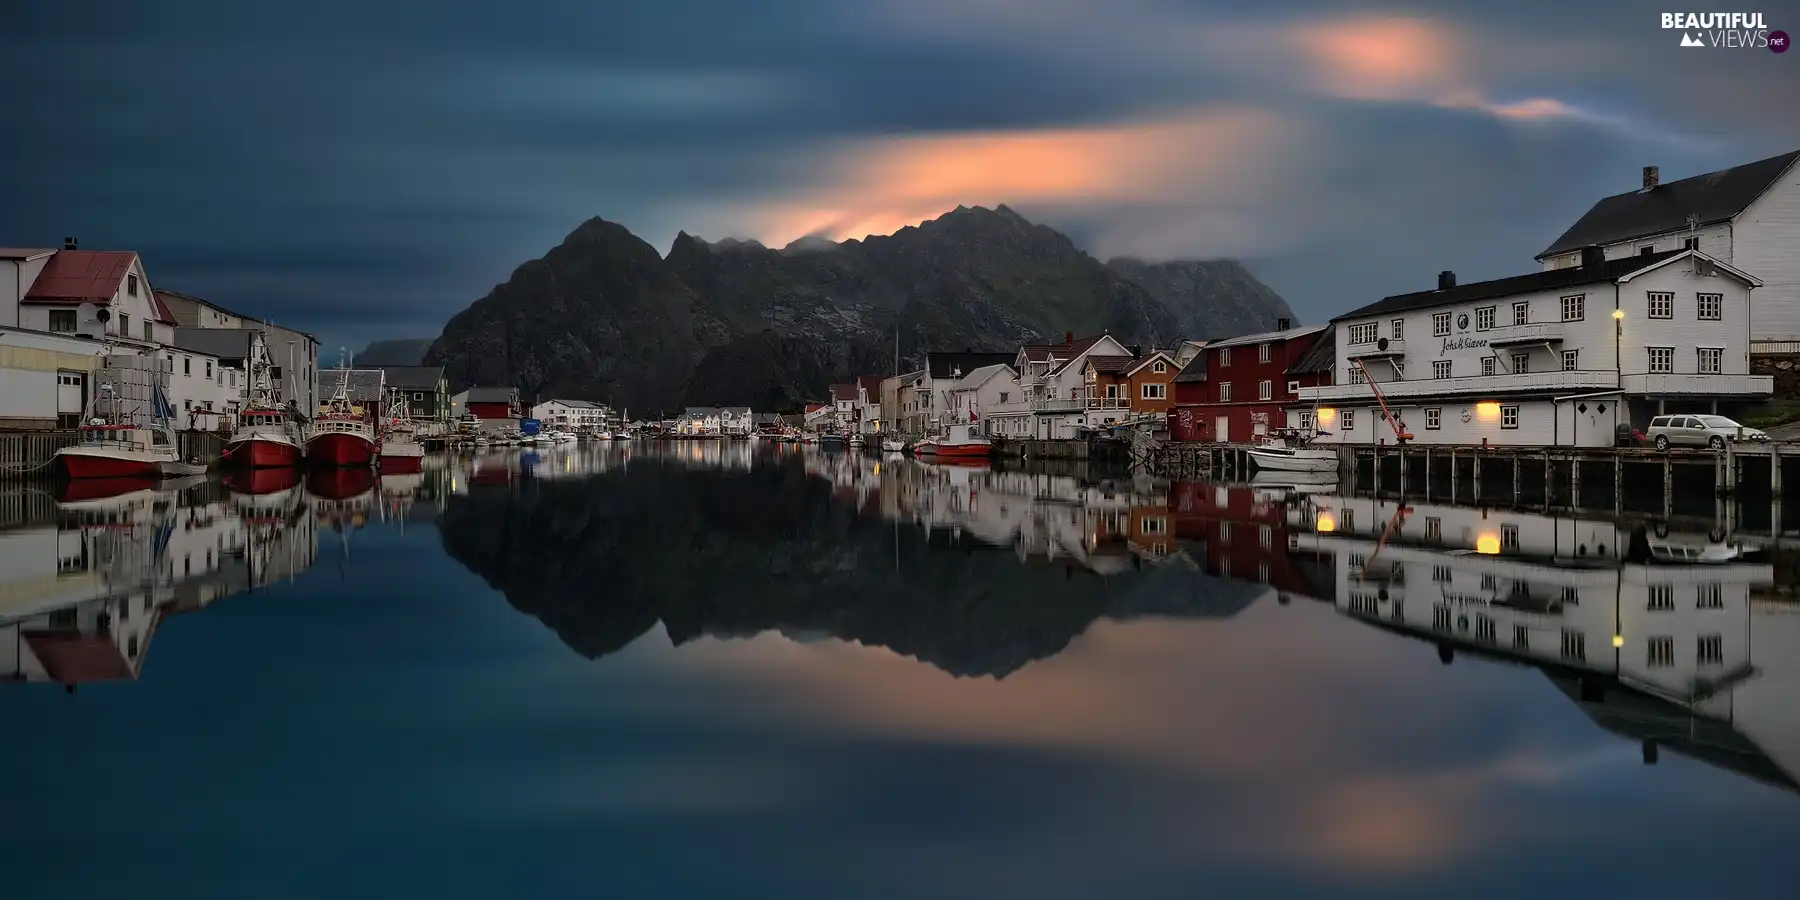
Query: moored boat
point(266, 436)
point(960, 442)
point(1281, 456)
point(341, 435)
point(893, 445)
point(115, 445)
point(400, 447)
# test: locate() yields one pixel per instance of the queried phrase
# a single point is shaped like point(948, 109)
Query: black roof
point(1710, 198)
point(413, 378)
point(1552, 280)
point(942, 365)
point(1320, 357)
point(1195, 370)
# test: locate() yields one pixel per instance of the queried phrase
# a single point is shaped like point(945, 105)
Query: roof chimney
point(1652, 177)
point(1592, 256)
point(1068, 337)
point(1283, 323)
point(69, 243)
point(1446, 280)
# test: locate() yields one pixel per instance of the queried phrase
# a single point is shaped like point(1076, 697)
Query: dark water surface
point(726, 671)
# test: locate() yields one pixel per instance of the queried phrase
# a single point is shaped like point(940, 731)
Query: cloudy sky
point(364, 169)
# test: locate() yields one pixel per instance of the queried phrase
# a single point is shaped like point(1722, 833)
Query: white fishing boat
point(115, 445)
point(400, 447)
point(1290, 454)
point(893, 445)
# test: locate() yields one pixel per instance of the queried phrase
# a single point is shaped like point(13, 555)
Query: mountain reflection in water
point(883, 679)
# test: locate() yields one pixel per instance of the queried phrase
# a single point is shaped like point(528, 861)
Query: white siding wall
point(1715, 241)
point(1592, 338)
point(1767, 244)
point(196, 380)
point(128, 311)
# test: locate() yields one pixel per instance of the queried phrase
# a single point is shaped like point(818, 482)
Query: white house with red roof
point(70, 283)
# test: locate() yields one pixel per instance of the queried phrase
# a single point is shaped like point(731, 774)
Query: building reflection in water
point(91, 569)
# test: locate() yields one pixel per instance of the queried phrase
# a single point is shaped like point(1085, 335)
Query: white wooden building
point(1561, 357)
point(1747, 216)
point(1053, 397)
point(572, 414)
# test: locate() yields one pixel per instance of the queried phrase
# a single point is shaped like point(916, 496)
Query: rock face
point(602, 560)
point(404, 352)
point(734, 322)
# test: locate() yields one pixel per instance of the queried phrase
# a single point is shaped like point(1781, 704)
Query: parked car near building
point(1700, 431)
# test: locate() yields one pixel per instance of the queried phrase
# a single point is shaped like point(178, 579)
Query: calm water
point(719, 671)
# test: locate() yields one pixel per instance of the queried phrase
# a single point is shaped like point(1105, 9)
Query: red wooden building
point(1237, 389)
point(490, 404)
point(1242, 534)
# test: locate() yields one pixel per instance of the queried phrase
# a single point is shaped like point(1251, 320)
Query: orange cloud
point(1384, 58)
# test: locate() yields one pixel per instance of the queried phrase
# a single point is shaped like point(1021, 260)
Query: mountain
point(602, 315)
point(1210, 298)
point(403, 352)
point(709, 552)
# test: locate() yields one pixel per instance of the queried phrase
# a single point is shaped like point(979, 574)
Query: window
point(1490, 582)
point(1265, 536)
point(1710, 650)
point(1574, 645)
point(1709, 596)
point(1441, 574)
point(1571, 360)
point(1004, 394)
point(1434, 528)
point(147, 332)
point(1225, 392)
point(1662, 598)
point(1661, 652)
point(1155, 525)
point(1487, 365)
point(124, 324)
point(1647, 249)
point(131, 285)
point(1571, 596)
point(1662, 359)
point(187, 365)
point(1440, 617)
point(1484, 318)
point(1293, 387)
point(1265, 390)
point(1364, 334)
point(1398, 330)
point(1154, 390)
point(1306, 421)
point(1159, 367)
point(209, 368)
point(1440, 368)
point(1521, 364)
point(1574, 308)
point(1710, 357)
point(1264, 353)
point(1509, 417)
point(1358, 375)
point(1349, 419)
point(1662, 305)
point(1692, 243)
point(1484, 629)
point(418, 395)
point(1521, 638)
point(1399, 613)
point(1509, 537)
point(1440, 324)
point(1712, 306)
point(1521, 312)
point(1434, 417)
point(1225, 532)
point(62, 320)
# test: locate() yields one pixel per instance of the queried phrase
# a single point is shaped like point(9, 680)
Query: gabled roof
point(365, 384)
point(224, 343)
point(1711, 198)
point(870, 383)
point(817, 407)
point(1536, 282)
point(163, 314)
point(1320, 357)
point(483, 394)
point(572, 404)
point(1149, 358)
point(735, 410)
point(699, 412)
point(70, 657)
point(81, 276)
point(843, 392)
point(417, 378)
point(1110, 365)
point(1194, 371)
point(972, 380)
point(949, 365)
point(1266, 337)
point(23, 253)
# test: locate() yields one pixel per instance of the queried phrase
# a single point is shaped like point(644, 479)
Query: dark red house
point(1238, 389)
point(490, 404)
point(1242, 534)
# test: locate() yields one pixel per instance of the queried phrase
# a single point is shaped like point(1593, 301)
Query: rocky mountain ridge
point(733, 322)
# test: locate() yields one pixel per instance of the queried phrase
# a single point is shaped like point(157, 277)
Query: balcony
point(1711, 385)
point(1517, 335)
point(1386, 348)
point(1108, 403)
point(1496, 385)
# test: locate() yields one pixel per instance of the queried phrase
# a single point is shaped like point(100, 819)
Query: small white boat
point(892, 445)
point(1278, 457)
point(856, 440)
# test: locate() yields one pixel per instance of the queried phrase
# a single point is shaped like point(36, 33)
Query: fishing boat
point(341, 435)
point(114, 445)
point(893, 445)
point(400, 447)
point(857, 442)
point(267, 435)
point(1290, 454)
point(959, 442)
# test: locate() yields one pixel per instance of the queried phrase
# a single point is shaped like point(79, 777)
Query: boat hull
point(340, 449)
point(261, 453)
point(1299, 461)
point(340, 484)
point(401, 464)
point(80, 462)
point(956, 451)
point(261, 481)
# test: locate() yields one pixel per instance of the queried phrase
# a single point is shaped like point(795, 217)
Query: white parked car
point(1700, 431)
